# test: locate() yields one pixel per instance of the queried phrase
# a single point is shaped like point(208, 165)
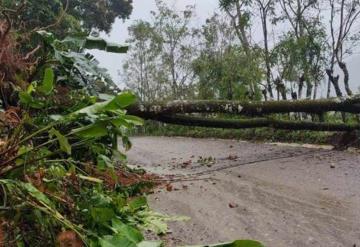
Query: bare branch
point(58, 20)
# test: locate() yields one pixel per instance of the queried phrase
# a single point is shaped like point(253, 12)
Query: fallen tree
point(349, 105)
point(168, 112)
point(255, 123)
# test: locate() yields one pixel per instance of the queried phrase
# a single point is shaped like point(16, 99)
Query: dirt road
point(283, 196)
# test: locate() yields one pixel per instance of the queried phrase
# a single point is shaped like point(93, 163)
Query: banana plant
point(78, 68)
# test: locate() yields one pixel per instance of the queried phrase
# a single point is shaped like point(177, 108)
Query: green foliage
point(61, 189)
point(303, 56)
point(48, 83)
point(63, 141)
point(159, 64)
point(80, 70)
point(63, 17)
point(220, 74)
point(164, 62)
point(84, 42)
point(101, 44)
point(170, 60)
point(262, 134)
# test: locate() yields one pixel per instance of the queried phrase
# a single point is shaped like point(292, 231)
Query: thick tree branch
point(254, 123)
point(350, 105)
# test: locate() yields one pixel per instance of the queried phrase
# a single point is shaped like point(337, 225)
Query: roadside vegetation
point(151, 128)
point(63, 181)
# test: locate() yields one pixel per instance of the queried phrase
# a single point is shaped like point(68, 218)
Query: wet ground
point(281, 195)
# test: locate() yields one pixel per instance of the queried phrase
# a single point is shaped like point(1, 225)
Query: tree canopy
point(66, 16)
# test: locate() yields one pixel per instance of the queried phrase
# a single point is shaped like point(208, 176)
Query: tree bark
point(350, 105)
point(301, 85)
point(264, 92)
point(254, 123)
point(335, 81)
point(343, 67)
point(280, 88)
point(264, 12)
point(309, 88)
point(328, 88)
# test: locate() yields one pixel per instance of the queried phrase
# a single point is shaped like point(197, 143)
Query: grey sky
point(204, 9)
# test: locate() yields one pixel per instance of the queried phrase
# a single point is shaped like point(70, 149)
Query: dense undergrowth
point(63, 181)
point(62, 178)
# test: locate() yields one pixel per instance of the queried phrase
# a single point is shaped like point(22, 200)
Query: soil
point(281, 195)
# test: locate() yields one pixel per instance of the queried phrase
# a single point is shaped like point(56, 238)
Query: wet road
point(281, 195)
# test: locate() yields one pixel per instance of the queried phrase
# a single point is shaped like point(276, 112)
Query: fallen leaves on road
point(169, 187)
point(232, 157)
point(233, 205)
point(186, 163)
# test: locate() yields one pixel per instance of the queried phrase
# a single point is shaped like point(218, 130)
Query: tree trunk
point(255, 123)
point(350, 105)
point(309, 88)
point(267, 53)
point(328, 89)
point(316, 90)
point(280, 88)
point(301, 86)
point(343, 67)
point(335, 81)
point(264, 92)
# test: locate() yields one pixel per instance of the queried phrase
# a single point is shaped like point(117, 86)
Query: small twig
point(31, 53)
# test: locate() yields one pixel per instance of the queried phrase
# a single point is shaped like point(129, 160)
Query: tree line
point(248, 50)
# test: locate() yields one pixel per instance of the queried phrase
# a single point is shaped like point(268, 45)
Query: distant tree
point(140, 71)
point(300, 61)
point(266, 10)
point(239, 12)
point(223, 69)
point(162, 53)
point(342, 40)
point(216, 38)
point(101, 14)
point(178, 46)
point(303, 44)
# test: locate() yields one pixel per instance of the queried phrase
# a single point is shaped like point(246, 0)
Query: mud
point(281, 195)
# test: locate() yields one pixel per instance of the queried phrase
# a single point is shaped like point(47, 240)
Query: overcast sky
point(204, 9)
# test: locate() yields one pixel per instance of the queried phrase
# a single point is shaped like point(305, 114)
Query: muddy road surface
point(281, 195)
